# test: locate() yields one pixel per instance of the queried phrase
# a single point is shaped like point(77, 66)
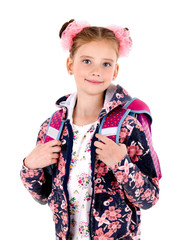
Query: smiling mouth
point(93, 81)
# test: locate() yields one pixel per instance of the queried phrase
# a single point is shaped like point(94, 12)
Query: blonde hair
point(90, 34)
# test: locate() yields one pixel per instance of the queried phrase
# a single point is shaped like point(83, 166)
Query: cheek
point(109, 74)
point(79, 71)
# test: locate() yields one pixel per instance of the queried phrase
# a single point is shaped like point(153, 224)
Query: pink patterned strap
point(145, 122)
point(111, 124)
point(55, 126)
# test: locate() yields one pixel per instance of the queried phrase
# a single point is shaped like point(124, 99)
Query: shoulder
point(132, 122)
point(44, 125)
point(132, 126)
point(131, 130)
point(139, 107)
point(137, 136)
point(42, 132)
point(55, 120)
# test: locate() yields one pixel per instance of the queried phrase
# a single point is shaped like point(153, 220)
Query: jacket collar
point(114, 96)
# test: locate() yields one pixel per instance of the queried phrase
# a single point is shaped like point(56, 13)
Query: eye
point(86, 61)
point(106, 64)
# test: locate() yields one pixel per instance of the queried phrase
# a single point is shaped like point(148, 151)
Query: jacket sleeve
point(136, 172)
point(38, 182)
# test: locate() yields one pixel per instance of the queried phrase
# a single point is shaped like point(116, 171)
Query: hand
point(43, 155)
point(108, 151)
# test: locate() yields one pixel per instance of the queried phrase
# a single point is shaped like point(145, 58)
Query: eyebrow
point(106, 59)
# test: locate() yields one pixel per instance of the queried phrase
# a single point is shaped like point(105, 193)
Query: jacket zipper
point(67, 168)
point(91, 229)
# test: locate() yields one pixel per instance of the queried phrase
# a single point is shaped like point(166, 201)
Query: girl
point(94, 186)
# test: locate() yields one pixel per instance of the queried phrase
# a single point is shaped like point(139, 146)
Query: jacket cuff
point(122, 169)
point(30, 173)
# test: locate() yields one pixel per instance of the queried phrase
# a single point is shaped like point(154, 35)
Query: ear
point(69, 65)
point(116, 70)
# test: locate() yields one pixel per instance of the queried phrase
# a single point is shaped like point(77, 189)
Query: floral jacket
point(118, 192)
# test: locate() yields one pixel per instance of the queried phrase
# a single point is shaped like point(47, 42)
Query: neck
point(87, 109)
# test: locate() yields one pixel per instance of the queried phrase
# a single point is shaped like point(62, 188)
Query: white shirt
point(79, 183)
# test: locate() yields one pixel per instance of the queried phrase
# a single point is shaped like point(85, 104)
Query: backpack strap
point(54, 131)
point(111, 124)
point(55, 127)
point(137, 106)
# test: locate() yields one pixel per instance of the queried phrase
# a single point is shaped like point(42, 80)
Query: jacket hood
point(114, 96)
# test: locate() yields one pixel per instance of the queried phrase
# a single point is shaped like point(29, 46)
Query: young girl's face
point(94, 66)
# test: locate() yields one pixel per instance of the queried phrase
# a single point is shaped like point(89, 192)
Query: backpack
point(110, 125)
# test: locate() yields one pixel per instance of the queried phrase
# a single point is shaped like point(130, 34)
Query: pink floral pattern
point(118, 192)
point(134, 152)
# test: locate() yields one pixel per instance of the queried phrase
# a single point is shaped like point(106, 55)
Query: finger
point(99, 144)
point(56, 149)
point(55, 156)
point(102, 138)
point(54, 143)
point(98, 151)
point(53, 161)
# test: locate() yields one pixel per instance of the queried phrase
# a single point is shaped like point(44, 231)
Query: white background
point(33, 76)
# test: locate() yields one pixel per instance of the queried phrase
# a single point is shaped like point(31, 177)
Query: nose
point(96, 72)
